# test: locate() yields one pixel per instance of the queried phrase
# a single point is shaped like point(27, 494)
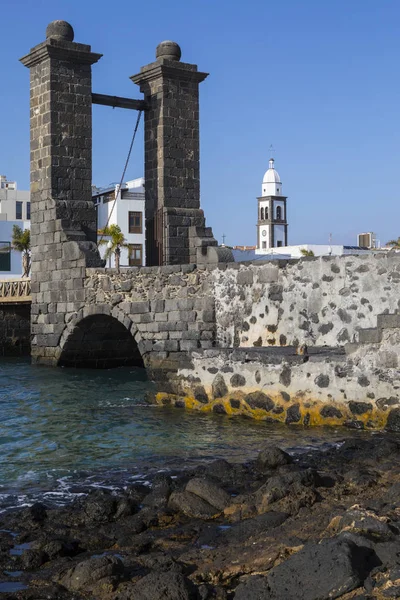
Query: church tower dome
point(271, 185)
point(272, 226)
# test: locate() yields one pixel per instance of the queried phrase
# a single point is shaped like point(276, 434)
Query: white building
point(272, 226)
point(124, 207)
point(15, 209)
point(316, 249)
point(15, 205)
point(367, 240)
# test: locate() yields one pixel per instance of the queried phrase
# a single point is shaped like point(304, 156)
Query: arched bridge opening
point(100, 342)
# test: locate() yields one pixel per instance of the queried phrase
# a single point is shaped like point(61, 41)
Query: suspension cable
point(123, 175)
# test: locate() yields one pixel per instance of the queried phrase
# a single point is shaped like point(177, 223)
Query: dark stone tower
point(175, 224)
point(63, 218)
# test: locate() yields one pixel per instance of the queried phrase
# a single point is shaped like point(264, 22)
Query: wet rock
point(292, 490)
point(35, 514)
point(219, 469)
point(209, 491)
point(393, 420)
point(366, 523)
point(359, 408)
point(389, 552)
point(393, 494)
point(99, 506)
point(33, 559)
point(160, 562)
point(272, 457)
point(248, 528)
point(159, 494)
point(318, 571)
point(192, 506)
point(58, 547)
point(125, 507)
point(293, 414)
point(219, 409)
point(259, 400)
point(169, 586)
point(255, 587)
point(89, 572)
point(234, 403)
point(330, 412)
point(361, 477)
point(219, 389)
point(201, 395)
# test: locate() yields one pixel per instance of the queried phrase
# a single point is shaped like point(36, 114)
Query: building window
point(5, 256)
point(135, 255)
point(262, 214)
point(18, 210)
point(28, 211)
point(135, 222)
point(279, 244)
point(279, 213)
point(264, 245)
point(266, 214)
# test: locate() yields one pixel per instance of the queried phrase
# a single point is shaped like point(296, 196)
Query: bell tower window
point(279, 213)
point(262, 214)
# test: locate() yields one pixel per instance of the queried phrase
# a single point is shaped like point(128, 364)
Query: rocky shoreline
point(312, 526)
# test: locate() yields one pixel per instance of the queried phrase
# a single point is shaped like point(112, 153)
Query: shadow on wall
point(100, 342)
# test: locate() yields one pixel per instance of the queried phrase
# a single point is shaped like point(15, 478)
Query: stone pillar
point(175, 224)
point(63, 217)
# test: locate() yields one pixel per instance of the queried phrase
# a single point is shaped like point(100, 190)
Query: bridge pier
point(175, 224)
point(63, 217)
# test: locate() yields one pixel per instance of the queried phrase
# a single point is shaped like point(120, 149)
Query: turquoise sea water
point(63, 431)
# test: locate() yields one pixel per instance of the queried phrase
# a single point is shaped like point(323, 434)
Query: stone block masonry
point(15, 329)
point(63, 218)
point(175, 224)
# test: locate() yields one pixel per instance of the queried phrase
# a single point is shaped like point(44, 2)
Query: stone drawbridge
point(201, 325)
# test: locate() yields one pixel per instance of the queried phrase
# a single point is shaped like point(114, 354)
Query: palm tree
point(114, 244)
point(21, 241)
point(307, 252)
point(394, 243)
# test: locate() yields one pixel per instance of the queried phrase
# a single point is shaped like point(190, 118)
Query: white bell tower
point(272, 227)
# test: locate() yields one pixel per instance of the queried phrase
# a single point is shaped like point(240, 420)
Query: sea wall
point(211, 335)
point(355, 386)
point(15, 329)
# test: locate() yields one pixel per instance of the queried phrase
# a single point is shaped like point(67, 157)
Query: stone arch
point(100, 336)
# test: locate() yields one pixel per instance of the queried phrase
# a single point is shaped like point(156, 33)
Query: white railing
point(15, 290)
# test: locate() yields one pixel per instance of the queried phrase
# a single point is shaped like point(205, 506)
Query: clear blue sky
point(318, 79)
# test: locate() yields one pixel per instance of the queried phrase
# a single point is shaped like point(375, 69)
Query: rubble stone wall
point(15, 329)
point(322, 301)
